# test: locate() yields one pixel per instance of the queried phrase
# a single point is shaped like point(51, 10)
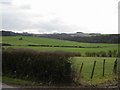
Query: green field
point(36, 40)
point(14, 40)
point(76, 61)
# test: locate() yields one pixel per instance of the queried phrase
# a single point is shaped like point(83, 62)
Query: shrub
point(90, 54)
point(5, 44)
point(20, 38)
point(109, 53)
point(102, 54)
point(115, 53)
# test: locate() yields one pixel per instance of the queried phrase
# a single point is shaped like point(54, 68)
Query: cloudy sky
point(69, 16)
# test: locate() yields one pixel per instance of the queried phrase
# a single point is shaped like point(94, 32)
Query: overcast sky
point(69, 16)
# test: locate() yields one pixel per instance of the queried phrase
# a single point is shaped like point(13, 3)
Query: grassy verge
point(18, 82)
point(106, 80)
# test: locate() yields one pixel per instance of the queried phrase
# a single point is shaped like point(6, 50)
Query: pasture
point(84, 77)
point(85, 47)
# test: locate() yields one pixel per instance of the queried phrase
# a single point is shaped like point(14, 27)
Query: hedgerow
point(47, 67)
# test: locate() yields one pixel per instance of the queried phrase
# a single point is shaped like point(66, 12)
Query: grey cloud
point(19, 21)
point(6, 2)
point(53, 25)
point(15, 21)
point(48, 26)
point(26, 6)
point(9, 3)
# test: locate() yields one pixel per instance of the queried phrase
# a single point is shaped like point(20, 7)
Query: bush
point(109, 53)
point(5, 44)
point(20, 38)
point(90, 54)
point(102, 54)
point(47, 67)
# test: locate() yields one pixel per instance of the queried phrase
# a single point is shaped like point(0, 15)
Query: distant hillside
point(79, 36)
point(109, 38)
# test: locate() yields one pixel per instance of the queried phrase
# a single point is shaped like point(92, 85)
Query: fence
point(104, 68)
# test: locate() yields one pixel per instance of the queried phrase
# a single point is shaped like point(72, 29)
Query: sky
point(60, 16)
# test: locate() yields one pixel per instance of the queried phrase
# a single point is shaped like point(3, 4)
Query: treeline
point(7, 33)
point(10, 33)
point(110, 38)
point(42, 67)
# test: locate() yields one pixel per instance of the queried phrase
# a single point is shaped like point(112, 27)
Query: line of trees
point(110, 38)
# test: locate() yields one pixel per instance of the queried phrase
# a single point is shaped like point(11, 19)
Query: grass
point(18, 82)
point(14, 81)
point(47, 41)
point(14, 40)
point(87, 69)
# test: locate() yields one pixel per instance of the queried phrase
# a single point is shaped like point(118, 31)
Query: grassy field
point(14, 40)
point(76, 61)
point(36, 40)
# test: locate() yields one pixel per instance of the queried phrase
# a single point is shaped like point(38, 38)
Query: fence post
point(80, 70)
point(103, 67)
point(115, 67)
point(93, 69)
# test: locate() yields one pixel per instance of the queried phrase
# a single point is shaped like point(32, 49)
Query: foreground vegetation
point(56, 68)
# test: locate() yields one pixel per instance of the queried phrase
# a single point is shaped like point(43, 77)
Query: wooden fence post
point(80, 71)
point(93, 69)
point(103, 67)
point(115, 67)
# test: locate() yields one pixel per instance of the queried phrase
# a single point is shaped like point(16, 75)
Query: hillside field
point(27, 40)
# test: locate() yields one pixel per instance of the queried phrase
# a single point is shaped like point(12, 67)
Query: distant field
point(14, 40)
point(38, 40)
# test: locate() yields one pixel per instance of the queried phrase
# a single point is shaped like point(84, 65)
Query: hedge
point(47, 67)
